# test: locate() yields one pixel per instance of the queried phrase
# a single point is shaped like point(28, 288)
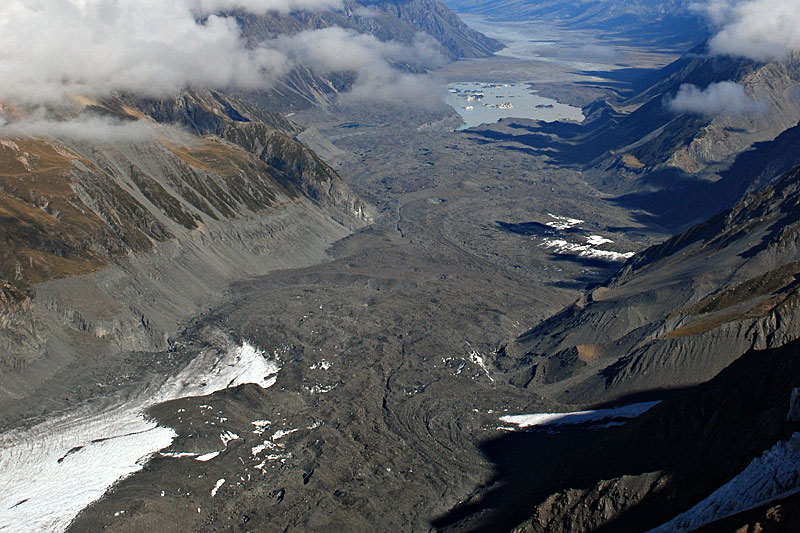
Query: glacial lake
point(486, 103)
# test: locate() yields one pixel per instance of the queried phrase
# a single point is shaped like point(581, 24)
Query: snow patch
point(282, 433)
point(266, 445)
point(255, 450)
point(217, 487)
point(273, 457)
point(578, 417)
point(322, 389)
point(597, 240)
point(177, 454)
point(561, 246)
point(261, 426)
point(476, 358)
point(207, 456)
point(228, 436)
point(562, 223)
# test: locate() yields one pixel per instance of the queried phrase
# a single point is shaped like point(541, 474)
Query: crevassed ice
point(767, 477)
point(50, 472)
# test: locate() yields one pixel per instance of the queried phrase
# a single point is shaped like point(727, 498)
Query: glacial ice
point(51, 471)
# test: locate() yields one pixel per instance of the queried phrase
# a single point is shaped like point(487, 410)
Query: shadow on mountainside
point(665, 197)
point(554, 140)
point(675, 200)
point(641, 474)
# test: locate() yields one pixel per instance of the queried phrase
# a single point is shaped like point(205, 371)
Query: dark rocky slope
point(388, 20)
point(707, 323)
point(678, 205)
point(639, 475)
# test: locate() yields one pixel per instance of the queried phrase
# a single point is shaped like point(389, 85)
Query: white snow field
point(51, 471)
point(579, 417)
point(562, 246)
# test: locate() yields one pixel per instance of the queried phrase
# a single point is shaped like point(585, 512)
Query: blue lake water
point(486, 103)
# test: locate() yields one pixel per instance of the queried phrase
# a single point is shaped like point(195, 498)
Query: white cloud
point(393, 87)
point(725, 97)
point(340, 50)
point(367, 12)
point(51, 49)
point(763, 30)
point(89, 128)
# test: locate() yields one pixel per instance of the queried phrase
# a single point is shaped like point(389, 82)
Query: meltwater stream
point(50, 472)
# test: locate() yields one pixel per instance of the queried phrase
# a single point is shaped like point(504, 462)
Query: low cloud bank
point(384, 70)
point(90, 128)
point(762, 30)
point(51, 49)
point(726, 97)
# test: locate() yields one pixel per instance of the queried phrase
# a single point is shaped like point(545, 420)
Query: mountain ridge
point(388, 20)
point(84, 219)
point(645, 153)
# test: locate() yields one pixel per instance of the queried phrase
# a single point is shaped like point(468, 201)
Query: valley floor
point(402, 318)
point(382, 401)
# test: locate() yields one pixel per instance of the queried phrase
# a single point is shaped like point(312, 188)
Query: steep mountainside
point(677, 313)
point(100, 237)
point(389, 20)
point(692, 145)
point(656, 22)
point(706, 324)
point(647, 152)
point(677, 204)
point(638, 475)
